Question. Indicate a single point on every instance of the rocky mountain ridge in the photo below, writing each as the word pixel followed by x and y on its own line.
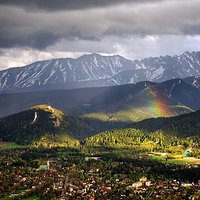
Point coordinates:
pixel 94 70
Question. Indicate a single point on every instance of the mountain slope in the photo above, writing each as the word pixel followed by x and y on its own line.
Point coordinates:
pixel 194 80
pixel 152 98
pixel 46 126
pixel 182 125
pixel 41 123
pixel 172 135
pixel 97 71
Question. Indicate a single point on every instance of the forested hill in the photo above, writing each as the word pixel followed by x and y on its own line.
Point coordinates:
pixel 172 135
pixel 40 122
pixel 182 125
pixel 45 124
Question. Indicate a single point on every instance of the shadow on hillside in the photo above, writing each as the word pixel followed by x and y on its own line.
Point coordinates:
pixel 96 126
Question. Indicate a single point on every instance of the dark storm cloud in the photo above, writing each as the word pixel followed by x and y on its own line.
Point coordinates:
pixel 38 41
pixel 53 5
pixel 71 21
pixel 39 30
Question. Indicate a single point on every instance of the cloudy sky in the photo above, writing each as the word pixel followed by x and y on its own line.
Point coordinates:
pixel 33 30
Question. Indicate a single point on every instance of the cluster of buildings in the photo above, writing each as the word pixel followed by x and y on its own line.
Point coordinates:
pixel 67 177
pixel 89 183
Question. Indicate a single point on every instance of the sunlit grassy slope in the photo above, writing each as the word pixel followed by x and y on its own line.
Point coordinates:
pixel 135 114
pixel 10 145
pixel 47 108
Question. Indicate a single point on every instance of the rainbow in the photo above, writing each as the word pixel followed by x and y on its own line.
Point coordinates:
pixel 158 105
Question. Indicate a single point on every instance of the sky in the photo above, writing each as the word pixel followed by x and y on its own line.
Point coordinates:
pixel 32 30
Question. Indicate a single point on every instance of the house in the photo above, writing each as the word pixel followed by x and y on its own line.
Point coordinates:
pixel 143 179
pixel 45 167
pixel 186 184
pixel 148 183
pixel 137 184
pixel 92 158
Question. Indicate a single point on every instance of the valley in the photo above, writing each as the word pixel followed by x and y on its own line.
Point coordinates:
pixel 52 155
pixel 103 174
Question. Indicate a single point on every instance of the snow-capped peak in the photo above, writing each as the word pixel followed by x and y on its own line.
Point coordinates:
pixel 92 70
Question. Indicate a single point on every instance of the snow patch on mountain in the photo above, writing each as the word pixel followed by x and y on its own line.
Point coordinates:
pixel 170 92
pixel 95 70
pixel 157 73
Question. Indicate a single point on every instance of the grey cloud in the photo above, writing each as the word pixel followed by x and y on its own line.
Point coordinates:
pixel 53 5
pixel 39 41
pixel 192 29
pixel 133 48
pixel 41 30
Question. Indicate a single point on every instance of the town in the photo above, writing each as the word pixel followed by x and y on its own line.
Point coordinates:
pixel 60 173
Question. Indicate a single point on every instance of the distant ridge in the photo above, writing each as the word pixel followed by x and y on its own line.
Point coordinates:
pixel 94 70
pixel 115 100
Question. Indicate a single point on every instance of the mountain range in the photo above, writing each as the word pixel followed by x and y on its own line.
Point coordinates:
pixel 95 70
pixel 65 101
